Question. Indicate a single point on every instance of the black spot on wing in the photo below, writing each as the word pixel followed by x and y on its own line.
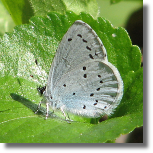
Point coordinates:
pixel 64 85
pixel 91 94
pixel 84 68
pixel 84 40
pixel 69 39
pixel 84 107
pixel 85 75
pixel 79 35
pixel 88 48
pixel 91 56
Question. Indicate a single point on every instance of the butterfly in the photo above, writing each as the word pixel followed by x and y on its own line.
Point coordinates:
pixel 81 80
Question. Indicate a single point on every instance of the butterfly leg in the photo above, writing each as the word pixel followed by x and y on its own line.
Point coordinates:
pixel 47 109
pixel 39 105
pixel 63 113
pixel 67 118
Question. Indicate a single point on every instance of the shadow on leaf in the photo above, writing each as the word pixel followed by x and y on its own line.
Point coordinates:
pixel 27 103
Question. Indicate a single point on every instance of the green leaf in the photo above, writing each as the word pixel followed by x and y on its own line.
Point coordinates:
pixel 132 102
pixel 116 1
pixel 6 22
pixel 87 6
pixel 18 99
pixel 42 7
pixel 22 10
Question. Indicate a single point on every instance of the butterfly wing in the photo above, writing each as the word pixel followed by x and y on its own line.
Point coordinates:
pixel 81 79
pixel 78 45
pixel 91 89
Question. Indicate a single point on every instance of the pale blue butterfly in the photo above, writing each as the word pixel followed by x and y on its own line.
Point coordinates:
pixel 81 80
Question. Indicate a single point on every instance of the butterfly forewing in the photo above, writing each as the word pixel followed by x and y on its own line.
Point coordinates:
pixel 78 45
